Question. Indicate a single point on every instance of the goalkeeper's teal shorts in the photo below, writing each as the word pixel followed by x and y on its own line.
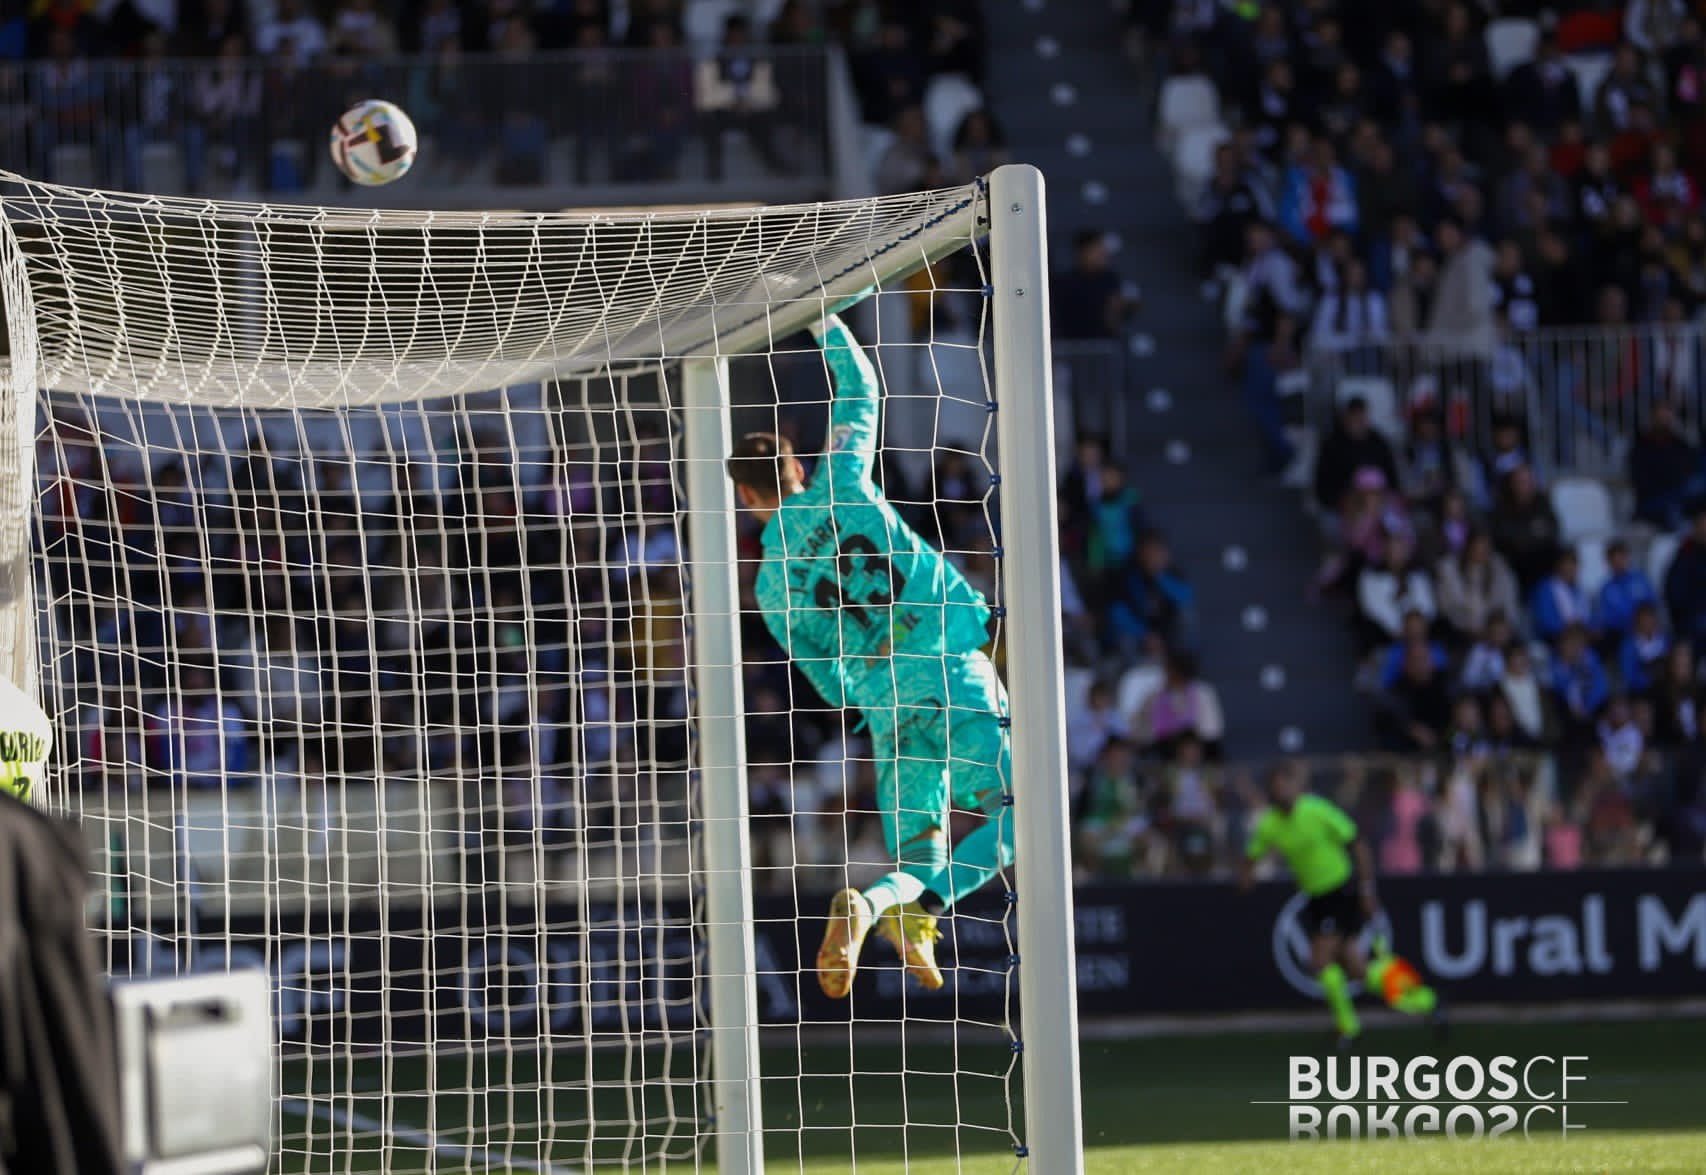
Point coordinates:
pixel 945 747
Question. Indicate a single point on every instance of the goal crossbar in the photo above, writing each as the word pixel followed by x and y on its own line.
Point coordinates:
pixel 228 304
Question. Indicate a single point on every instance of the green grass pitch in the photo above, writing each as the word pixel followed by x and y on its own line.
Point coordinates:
pixel 1156 1104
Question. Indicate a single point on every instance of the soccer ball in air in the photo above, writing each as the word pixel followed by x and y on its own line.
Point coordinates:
pixel 373 143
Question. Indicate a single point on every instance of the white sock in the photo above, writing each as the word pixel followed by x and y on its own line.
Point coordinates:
pixel 891 890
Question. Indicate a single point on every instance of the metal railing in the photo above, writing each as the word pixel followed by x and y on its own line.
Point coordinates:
pixel 1093 390
pixel 544 129
pixel 1580 395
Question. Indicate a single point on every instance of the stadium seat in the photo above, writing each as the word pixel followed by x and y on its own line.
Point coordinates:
pixel 1382 400
pixel 1590 71
pixel 1511 43
pixel 1595 567
pixel 948 100
pixel 1139 684
pixel 1193 160
pixel 1659 557
pixel 1186 102
pixel 1584 509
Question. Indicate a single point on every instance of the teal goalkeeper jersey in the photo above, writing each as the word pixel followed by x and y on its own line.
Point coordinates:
pixel 861 603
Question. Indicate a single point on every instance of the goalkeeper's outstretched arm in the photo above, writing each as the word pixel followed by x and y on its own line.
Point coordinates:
pixel 853 415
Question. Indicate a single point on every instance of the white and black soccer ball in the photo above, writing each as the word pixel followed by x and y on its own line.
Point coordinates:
pixel 374 143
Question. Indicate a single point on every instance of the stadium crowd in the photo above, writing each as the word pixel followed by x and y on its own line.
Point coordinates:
pixel 1363 216
pixel 225 82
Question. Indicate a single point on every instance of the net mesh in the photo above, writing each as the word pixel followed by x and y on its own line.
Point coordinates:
pixel 362 603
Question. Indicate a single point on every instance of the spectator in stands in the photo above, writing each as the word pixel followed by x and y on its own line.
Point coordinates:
pixel 1154 600
pixel 1192 819
pixel 1230 203
pixel 1414 712
pixel 1685 583
pixel 1624 593
pixel 203 26
pixel 1579 684
pixel 1459 76
pixel 1440 477
pixel 294 36
pixel 1675 698
pixel 1664 469
pixel 1081 491
pixel 1269 361
pixel 1389 589
pixel 1319 197
pixel 1484 663
pixel 1092 726
pixel 1559 601
pixel 1417 625
pixel 891 73
pixel 360 29
pixel 1530 702
pixel 1644 650
pixel 661 104
pixel 1624 90
pixel 441 24
pixel 736 91
pixel 1116 524
pixel 1354 444
pixel 1544 93
pixel 1088 301
pixel 1114 830
pixel 1525 527
pixel 1462 315
pixel 1407 826
pixel 227 106
pixel 1415 296
pixel 1185 707
pixel 1351 320
pixel 1474 586
pixel 979 147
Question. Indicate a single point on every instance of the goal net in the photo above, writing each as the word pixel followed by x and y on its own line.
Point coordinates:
pixel 380 572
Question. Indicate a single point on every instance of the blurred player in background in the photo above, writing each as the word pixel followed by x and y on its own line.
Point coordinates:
pixel 1332 866
pixel 879 620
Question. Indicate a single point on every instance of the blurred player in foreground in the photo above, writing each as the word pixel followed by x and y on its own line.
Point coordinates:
pixel 1317 841
pixel 879 620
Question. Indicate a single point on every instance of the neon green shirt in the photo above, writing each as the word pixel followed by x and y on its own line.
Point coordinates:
pixel 1312 839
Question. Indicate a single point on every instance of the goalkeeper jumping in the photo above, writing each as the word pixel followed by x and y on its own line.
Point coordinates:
pixel 1317 840
pixel 878 620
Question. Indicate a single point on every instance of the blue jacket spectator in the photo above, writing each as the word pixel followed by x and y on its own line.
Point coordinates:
pixel 1642 656
pixel 1578 678
pixel 1392 667
pixel 1153 599
pixel 1319 199
pixel 1623 595
pixel 1560 600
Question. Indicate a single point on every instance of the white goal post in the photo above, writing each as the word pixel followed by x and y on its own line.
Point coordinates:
pixel 233 430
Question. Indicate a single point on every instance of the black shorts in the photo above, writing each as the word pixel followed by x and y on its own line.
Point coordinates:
pixel 1336 912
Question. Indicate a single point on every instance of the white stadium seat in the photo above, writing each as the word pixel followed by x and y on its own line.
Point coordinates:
pixel 949 99
pixel 1186 103
pixel 1382 397
pixel 1193 160
pixel 1595 567
pixel 1659 557
pixel 1510 43
pixel 1584 509
pixel 1590 70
